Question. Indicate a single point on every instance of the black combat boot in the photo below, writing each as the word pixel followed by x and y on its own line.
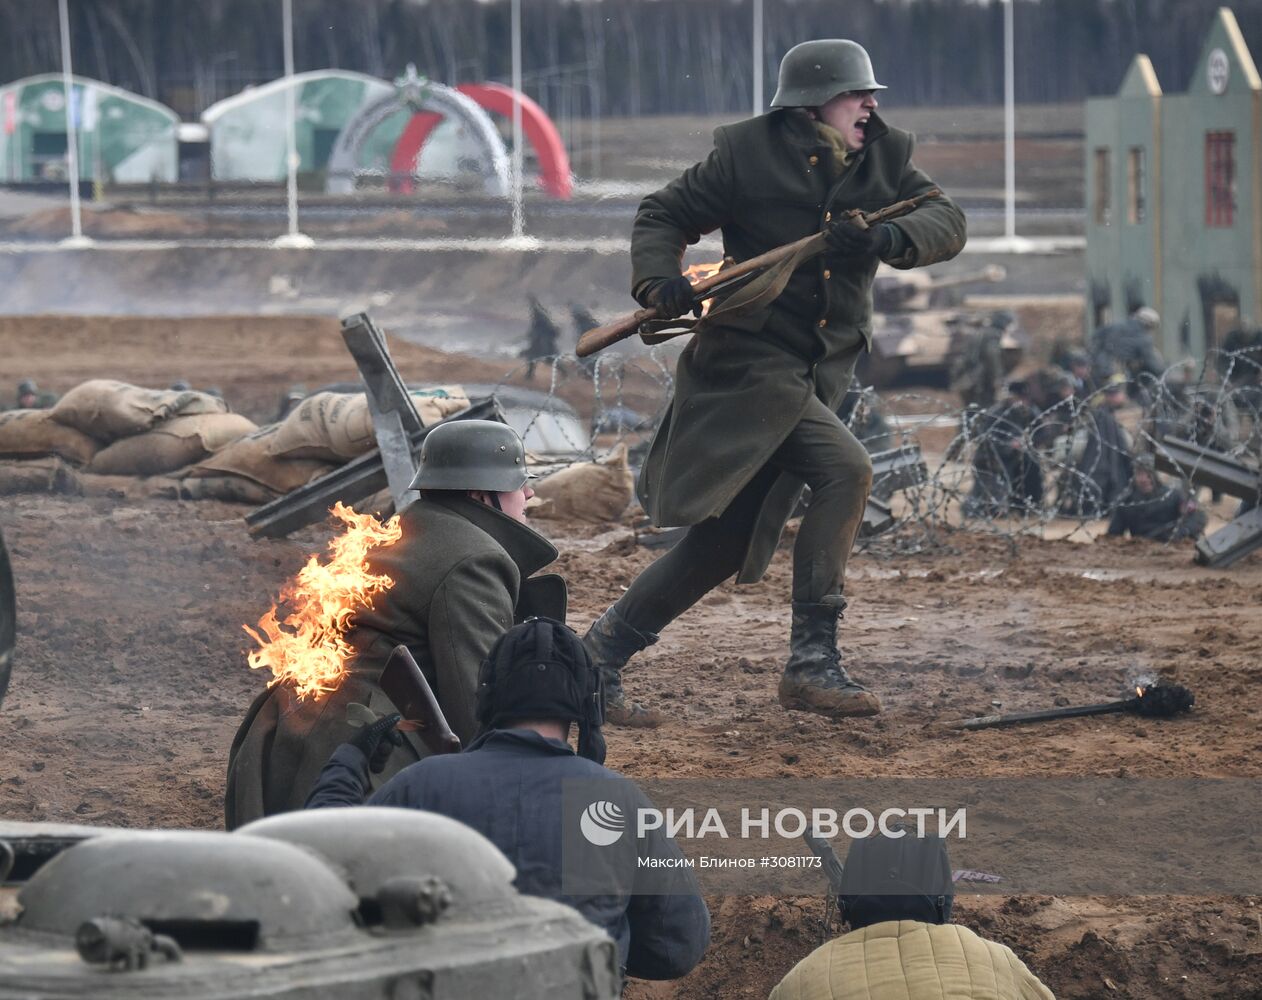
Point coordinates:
pixel 814 679
pixel 611 642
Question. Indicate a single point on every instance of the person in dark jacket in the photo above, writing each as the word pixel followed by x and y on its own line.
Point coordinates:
pixel 542 339
pixel 1006 477
pixel 1151 509
pixel 1102 472
pixel 753 418
pixel 537 682
pixel 462 574
pixel 1128 348
pixel 1078 362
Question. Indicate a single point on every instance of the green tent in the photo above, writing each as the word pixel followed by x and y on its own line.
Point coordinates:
pixel 122 137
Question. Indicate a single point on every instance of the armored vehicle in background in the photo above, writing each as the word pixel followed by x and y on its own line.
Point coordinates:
pixel 352 904
pixel 895 291
pixel 916 334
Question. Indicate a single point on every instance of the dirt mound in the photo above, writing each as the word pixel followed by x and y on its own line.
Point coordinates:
pixel 110 223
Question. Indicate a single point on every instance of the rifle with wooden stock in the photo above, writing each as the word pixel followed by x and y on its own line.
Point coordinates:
pixel 404 684
pixel 727 278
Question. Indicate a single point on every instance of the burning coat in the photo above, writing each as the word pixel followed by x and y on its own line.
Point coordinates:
pixel 744 382
pixel 460 574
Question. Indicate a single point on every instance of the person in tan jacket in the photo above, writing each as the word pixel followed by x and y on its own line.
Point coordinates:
pixel 901 944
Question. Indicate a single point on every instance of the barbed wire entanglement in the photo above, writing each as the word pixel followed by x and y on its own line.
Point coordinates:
pixel 1049 453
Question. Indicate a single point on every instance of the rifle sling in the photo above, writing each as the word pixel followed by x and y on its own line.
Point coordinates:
pixel 758 293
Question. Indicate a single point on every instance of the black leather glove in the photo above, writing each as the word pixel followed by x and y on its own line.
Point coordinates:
pixel 378 740
pixel 672 297
pixel 851 241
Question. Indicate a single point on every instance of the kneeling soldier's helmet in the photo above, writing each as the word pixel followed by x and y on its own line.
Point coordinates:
pixel 472 455
pixel 813 73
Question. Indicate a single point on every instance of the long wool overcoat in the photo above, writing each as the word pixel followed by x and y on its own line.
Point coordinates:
pixel 462 576
pixel 744 381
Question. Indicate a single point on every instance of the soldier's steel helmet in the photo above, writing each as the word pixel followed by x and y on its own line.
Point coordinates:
pixel 1147 316
pixel 472 455
pixel 813 73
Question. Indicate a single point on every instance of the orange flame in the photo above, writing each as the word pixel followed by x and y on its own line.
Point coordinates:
pixel 699 272
pixel 307 647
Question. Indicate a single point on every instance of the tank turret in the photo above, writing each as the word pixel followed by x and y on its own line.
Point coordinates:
pixel 331 903
pixel 913 291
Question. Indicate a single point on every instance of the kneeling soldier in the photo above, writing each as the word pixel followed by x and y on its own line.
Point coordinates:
pixel 460 573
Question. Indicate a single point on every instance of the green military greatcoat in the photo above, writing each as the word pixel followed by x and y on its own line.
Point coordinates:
pixel 743 383
pixel 460 573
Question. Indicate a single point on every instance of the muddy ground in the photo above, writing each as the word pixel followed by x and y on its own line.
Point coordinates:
pixel 130 676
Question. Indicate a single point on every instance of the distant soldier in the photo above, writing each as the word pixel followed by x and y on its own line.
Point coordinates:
pixel 860 411
pixel 1058 405
pixel 1006 476
pixel 31 397
pixel 583 321
pixel 977 370
pixel 1128 348
pixel 543 339
pixel 1078 362
pixel 1103 466
pixel 1151 509
pixel 294 395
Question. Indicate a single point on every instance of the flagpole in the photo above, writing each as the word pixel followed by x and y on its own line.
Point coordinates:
pixel 76 238
pixel 293 240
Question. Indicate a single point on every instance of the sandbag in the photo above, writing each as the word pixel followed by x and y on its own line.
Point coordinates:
pixel 307 432
pixel 45 475
pixel 232 489
pixel 438 403
pixel 33 433
pixel 174 444
pixel 336 427
pixel 129 487
pixel 250 458
pixel 588 491
pixel 109 410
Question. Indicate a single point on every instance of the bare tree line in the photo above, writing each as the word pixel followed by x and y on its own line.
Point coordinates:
pixel 621 57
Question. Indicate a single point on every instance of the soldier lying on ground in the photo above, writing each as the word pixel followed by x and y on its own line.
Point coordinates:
pixel 536 683
pixel 897 897
pixel 32 397
pixel 1151 509
pixel 460 574
pixel 753 416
